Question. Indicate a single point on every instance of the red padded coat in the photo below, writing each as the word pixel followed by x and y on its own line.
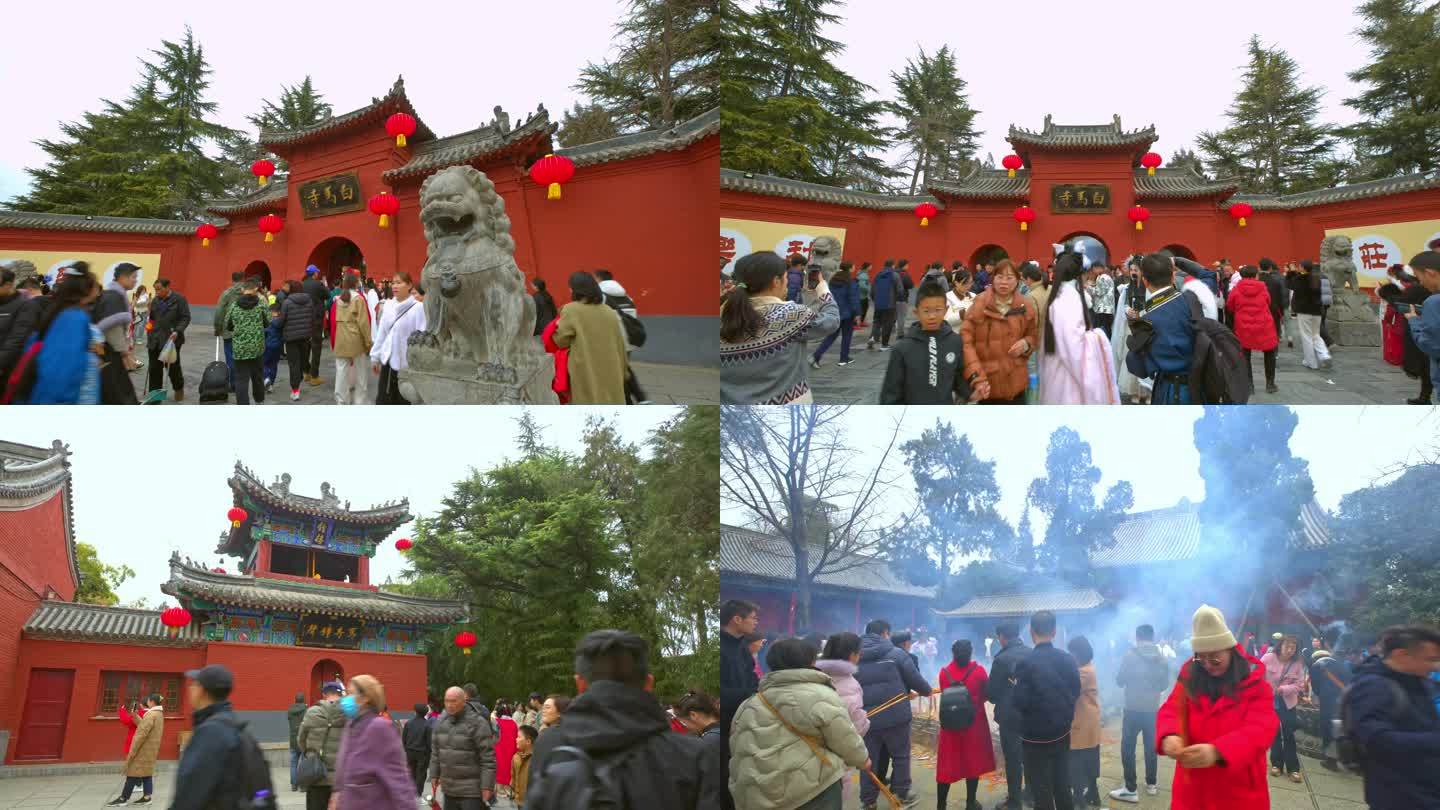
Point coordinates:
pixel 966 754
pixel 1249 302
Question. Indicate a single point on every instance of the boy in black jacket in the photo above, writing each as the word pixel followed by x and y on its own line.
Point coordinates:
pixel 1047 685
pixel 925 368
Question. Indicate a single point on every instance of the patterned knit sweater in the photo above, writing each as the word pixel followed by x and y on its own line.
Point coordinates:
pixel 769 369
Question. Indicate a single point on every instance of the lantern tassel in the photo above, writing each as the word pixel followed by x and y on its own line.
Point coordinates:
pixel 1242 222
pixel 269 237
pixel 1011 171
pixel 205 242
pixel 1152 171
pixel 264 180
pixel 384 220
pixel 554 192
pixel 924 222
pixel 467 650
pixel 1139 226
pixel 1024 226
pixel 400 140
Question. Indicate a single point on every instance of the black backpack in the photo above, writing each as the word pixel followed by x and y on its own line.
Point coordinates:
pixel 1218 372
pixel 257 792
pixel 1348 750
pixel 573 780
pixel 957 713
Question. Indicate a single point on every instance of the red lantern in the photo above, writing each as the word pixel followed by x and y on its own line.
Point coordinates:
pixel 465 640
pixel 237 516
pixel 1138 215
pixel 552 170
pixel 1012 163
pixel 217 570
pixel 1151 161
pixel 175 618
pixel 262 169
pixel 271 225
pixel 925 211
pixel 1240 211
pixel 404 545
pixel 385 205
pixel 400 126
pixel 1024 215
pixel 206 232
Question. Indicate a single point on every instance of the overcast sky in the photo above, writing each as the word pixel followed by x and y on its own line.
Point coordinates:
pixel 1174 65
pixel 146 487
pixel 1152 448
pixel 459 59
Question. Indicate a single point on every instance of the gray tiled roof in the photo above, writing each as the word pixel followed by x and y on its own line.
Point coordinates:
pixel 1179 183
pixel 72 621
pixel 274 196
pixel 29 475
pixel 994 184
pixel 84 222
pixel 1172 534
pixel 187 582
pixel 1082 136
pixel 732 180
pixel 679 136
pixel 743 551
pixel 1354 191
pixel 458 150
pixel 1020 604
pixel 376 111
pixel 392 514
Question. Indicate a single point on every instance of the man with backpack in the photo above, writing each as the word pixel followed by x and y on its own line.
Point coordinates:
pixel 1162 338
pixel 615 749
pixel 462 755
pixel 1328 678
pixel 1145 677
pixel 223 765
pixel 319 738
pixel 998 691
pixel 1389 717
pixel 887 675
pixel 222 330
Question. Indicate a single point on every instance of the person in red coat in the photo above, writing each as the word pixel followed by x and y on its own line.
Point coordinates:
pixel 1249 304
pixel 1218 723
pixel 966 754
pixel 505 744
pixel 130 719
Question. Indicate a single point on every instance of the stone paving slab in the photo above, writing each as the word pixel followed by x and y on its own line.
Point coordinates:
pixel 1358 376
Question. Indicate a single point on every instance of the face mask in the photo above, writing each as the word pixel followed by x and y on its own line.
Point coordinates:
pixel 348 706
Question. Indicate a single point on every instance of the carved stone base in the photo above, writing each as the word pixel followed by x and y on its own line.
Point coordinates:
pixel 1354 334
pixel 450 381
pixel 1352 320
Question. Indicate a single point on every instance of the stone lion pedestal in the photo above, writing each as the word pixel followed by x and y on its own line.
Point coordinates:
pixel 1351 321
pixel 434 380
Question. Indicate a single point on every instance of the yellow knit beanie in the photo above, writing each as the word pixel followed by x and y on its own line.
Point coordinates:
pixel 1210 632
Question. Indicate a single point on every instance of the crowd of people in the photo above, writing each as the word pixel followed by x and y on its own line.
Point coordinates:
pixel 78 342
pixel 829 709
pixel 1156 328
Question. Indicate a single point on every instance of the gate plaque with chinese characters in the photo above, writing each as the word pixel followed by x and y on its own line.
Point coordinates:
pixel 324 631
pixel 1086 199
pixel 339 194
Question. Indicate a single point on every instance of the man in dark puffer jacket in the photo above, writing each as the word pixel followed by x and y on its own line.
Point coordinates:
pixel 998 691
pixel 886 673
pixel 1047 685
pixel 462 758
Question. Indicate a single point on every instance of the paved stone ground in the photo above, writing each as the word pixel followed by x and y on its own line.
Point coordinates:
pixel 1358 377
pixel 91 791
pixel 664 384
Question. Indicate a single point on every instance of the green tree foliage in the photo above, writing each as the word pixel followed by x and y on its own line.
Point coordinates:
pixel 1400 101
pixel 666 68
pixel 939 126
pixel 299 106
pixel 1388 550
pixel 550 546
pixel 1186 159
pixel 854 158
pixel 586 123
pixel 98 580
pixel 1275 140
pixel 1254 487
pixel 1077 524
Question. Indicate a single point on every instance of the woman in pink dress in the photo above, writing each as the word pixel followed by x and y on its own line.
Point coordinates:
pixel 965 754
pixel 1077 366
pixel 505 745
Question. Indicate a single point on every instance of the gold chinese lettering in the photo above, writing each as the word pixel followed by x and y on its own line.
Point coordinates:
pixel 351 632
pixel 327 631
pixel 1080 197
pixel 313 197
pixel 1064 198
pixel 347 192
pixel 312 628
pixel 1099 198
pixel 330 195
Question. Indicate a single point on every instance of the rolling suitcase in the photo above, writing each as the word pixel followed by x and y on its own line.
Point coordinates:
pixel 215 381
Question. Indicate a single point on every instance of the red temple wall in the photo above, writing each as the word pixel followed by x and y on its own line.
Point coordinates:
pixel 267 677
pixel 830 613
pixel 34 548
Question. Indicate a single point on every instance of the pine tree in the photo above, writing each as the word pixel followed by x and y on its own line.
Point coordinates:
pixel 665 72
pixel 1274 142
pixel 194 176
pixel 586 123
pixel 1401 99
pixel 1186 159
pixel 854 157
pixel 1065 496
pixel 939 124
pixel 298 107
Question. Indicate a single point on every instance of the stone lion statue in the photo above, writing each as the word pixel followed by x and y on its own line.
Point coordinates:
pixel 825 254
pixel 476 309
pixel 22 268
pixel 1337 262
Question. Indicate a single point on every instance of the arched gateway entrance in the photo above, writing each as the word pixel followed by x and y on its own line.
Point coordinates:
pixel 260 270
pixel 335 254
pixel 1089 244
pixel 324 670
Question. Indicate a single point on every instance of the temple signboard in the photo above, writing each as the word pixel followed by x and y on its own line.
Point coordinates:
pixel 325 631
pixel 1080 199
pixel 338 194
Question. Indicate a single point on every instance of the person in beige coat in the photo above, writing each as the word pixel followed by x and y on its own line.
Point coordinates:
pixel 1085 729
pixel 592 332
pixel 144 750
pixel 791 742
pixel 350 340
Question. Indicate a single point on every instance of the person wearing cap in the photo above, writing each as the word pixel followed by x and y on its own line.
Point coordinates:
pixel 169 317
pixel 204 778
pixel 1425 325
pixel 1218 722
pixel 1328 678
pixel 320 734
pixel 315 287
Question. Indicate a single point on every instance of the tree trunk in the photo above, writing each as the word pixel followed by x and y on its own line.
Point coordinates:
pixel 702 625
pixel 802 590
pixel 919 161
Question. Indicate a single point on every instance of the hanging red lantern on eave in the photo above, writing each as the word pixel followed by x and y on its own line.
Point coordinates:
pixel 271 225
pixel 262 169
pixel 1151 161
pixel 403 545
pixel 236 516
pixel 174 618
pixel 1024 215
pixel 925 211
pixel 217 570
pixel 400 126
pixel 385 205
pixel 552 171
pixel 1012 163
pixel 465 640
pixel 1138 215
pixel 206 232
pixel 1242 211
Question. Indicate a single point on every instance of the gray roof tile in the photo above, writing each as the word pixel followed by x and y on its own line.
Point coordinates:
pixel 679 136
pixel 273 197
pixel 1354 191
pixel 30 475
pixel 980 184
pixel 392 514
pixel 376 111
pixel 458 150
pixel 1021 604
pixel 743 551
pixel 72 621
pixel 1173 534
pixel 1082 136
pixel 1179 183
pixel 84 222
pixel 732 180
